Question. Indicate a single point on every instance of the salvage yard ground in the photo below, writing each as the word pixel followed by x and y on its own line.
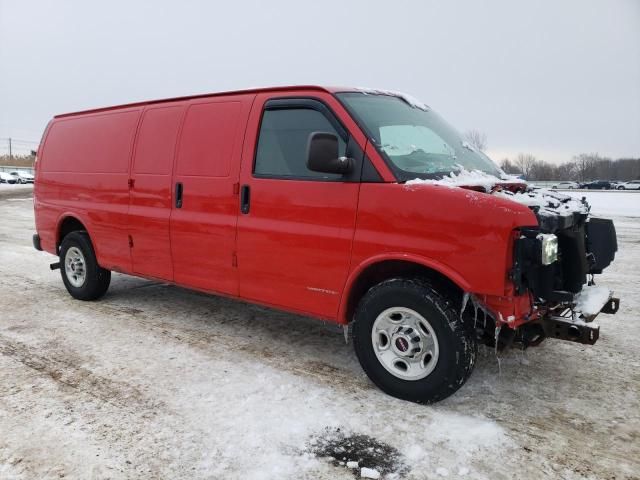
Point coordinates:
pixel 158 382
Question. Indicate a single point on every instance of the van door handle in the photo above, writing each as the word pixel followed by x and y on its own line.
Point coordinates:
pixel 245 199
pixel 179 195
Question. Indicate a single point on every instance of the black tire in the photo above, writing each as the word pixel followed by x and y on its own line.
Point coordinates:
pixel 96 278
pixel 456 340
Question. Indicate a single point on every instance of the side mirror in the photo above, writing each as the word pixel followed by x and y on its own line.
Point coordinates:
pixel 322 154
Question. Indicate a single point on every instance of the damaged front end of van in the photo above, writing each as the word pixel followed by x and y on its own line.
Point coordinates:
pixel 547 280
pixel 554 267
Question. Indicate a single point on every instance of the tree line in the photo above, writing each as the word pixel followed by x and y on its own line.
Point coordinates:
pixel 581 168
pixel 17 160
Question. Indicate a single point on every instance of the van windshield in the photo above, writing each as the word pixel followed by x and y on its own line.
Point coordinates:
pixel 415 140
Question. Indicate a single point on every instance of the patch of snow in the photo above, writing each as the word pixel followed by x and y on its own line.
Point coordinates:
pixel 463 178
pixel 547 201
pixel 369 473
pixel 591 299
pixel 443 472
pixel 618 203
pixel 352 464
pixel 415 452
pixel 468 146
pixel 410 99
pixel 462 471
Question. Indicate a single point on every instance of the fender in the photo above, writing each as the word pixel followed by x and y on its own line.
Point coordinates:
pixel 82 219
pixel 430 263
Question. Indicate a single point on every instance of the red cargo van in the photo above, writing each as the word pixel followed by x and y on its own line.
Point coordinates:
pixel 356 206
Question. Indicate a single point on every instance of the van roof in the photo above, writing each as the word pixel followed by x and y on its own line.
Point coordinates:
pixel 214 94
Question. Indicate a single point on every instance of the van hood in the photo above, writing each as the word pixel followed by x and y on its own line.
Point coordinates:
pixel 554 210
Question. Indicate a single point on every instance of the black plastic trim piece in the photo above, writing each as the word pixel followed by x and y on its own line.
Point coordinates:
pixel 310 103
pixel 179 189
pixel 245 199
pixel 36 242
pixel 369 172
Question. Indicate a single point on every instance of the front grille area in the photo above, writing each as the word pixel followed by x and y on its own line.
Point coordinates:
pixel 559 281
pixel 583 248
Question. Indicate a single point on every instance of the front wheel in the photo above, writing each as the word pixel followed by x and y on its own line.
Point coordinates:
pixel 411 341
pixel 81 274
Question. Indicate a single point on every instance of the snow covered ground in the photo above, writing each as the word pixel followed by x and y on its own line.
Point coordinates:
pixel 159 382
pixel 610 203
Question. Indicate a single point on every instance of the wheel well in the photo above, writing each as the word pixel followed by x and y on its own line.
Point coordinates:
pixel 68 225
pixel 378 272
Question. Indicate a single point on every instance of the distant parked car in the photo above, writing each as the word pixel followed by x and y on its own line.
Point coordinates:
pixel 567 185
pixel 632 185
pixel 597 185
pixel 22 177
pixel 7 178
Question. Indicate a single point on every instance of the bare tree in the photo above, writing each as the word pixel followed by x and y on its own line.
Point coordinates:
pixel 508 167
pixel 566 171
pixel 525 163
pixel 476 139
pixel 586 165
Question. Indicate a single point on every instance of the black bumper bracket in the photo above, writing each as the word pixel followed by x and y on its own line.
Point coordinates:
pixel 611 306
pixel 566 329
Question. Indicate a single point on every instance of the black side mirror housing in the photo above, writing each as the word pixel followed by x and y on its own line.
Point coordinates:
pixel 323 156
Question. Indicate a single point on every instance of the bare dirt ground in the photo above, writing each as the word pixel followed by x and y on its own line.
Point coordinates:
pixel 157 382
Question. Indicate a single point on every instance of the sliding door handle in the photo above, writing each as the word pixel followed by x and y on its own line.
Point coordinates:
pixel 179 195
pixel 245 199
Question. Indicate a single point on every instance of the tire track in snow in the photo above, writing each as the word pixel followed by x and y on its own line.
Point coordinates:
pixel 63 370
pixel 204 339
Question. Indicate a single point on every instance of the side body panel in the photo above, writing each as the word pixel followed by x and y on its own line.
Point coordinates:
pixel 203 228
pixel 83 171
pixel 151 191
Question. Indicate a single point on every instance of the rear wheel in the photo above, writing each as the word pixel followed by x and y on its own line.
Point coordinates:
pixel 81 274
pixel 411 341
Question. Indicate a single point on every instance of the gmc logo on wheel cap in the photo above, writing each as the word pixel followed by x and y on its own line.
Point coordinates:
pixel 402 344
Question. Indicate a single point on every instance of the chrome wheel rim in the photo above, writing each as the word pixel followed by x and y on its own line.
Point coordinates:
pixel 75 267
pixel 405 343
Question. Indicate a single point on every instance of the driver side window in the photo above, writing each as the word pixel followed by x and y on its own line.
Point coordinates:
pixel 282 143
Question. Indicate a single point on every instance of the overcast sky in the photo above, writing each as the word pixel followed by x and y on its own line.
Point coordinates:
pixel 553 78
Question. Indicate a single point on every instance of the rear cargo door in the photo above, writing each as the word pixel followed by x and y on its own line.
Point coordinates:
pixel 150 191
pixel 205 193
